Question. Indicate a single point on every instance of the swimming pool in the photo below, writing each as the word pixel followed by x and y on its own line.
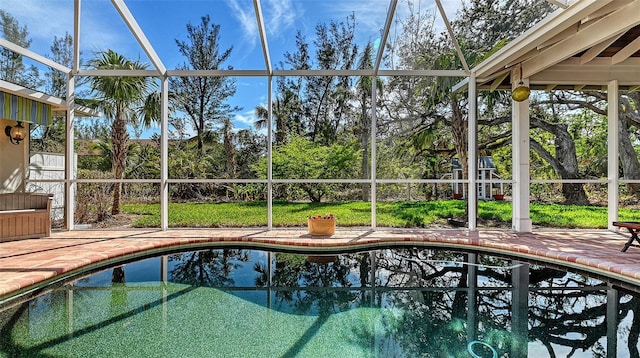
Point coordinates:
pixel 410 302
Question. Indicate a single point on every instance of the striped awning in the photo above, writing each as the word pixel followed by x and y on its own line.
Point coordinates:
pixel 22 109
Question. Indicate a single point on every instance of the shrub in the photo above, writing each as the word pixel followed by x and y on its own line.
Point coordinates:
pixel 93 200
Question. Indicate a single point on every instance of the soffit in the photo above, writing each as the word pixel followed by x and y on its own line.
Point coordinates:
pixel 584 46
pixel 57 104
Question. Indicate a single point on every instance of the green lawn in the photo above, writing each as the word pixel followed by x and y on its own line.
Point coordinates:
pixel 396 214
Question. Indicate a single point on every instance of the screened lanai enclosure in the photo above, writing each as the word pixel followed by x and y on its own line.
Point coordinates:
pixel 260 113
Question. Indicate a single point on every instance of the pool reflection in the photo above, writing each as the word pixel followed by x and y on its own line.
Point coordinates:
pixel 411 302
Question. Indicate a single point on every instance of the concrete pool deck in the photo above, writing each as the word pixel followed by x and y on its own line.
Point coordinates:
pixel 28 265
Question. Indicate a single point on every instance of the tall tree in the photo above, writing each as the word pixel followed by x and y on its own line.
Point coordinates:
pixel 12 68
pixel 52 136
pixel 364 91
pixel 328 96
pixel 565 160
pixel 203 99
pixel 495 23
pixel 62 53
pixel 485 24
pixel 325 100
pixel 121 99
pixel 629 119
pixel 629 122
pixel 229 147
pixel 299 60
pixel 424 108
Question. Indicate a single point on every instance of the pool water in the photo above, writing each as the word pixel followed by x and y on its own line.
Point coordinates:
pixel 384 303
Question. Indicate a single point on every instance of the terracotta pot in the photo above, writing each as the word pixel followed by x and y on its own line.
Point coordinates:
pixel 499 197
pixel 321 227
pixel 457 196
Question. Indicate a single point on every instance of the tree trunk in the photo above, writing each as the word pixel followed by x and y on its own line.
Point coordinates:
pixel 364 140
pixel 200 144
pixel 628 157
pixel 459 134
pixel 315 197
pixel 566 153
pixel 281 123
pixel 230 153
pixel 565 162
pixel 120 143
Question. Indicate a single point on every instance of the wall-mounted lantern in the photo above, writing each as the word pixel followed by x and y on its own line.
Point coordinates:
pixel 16 133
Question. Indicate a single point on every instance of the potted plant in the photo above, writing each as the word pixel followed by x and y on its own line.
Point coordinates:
pixel 322 225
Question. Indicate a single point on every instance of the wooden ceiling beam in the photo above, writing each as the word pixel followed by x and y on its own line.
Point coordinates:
pixel 597 49
pixel 609 26
pixel 626 52
pixel 496 83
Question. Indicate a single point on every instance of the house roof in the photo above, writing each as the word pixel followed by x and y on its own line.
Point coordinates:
pixel 582 46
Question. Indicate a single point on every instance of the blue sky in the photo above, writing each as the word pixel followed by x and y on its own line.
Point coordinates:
pixel 164 21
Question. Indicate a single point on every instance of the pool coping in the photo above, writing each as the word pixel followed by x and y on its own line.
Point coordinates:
pixel 27 266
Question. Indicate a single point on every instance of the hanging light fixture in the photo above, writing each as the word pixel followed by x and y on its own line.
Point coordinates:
pixel 521 92
pixel 16 133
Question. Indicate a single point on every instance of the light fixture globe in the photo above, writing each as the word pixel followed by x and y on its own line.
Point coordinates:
pixel 521 92
pixel 16 133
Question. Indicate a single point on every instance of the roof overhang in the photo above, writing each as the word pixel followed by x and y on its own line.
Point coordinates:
pixel 583 46
pixel 57 104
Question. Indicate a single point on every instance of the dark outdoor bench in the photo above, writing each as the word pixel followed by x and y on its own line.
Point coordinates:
pixel 634 228
pixel 25 216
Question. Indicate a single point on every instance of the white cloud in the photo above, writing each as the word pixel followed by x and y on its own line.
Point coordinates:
pixel 100 26
pixel 245 119
pixel 280 16
pixel 32 14
pixel 246 17
pixel 370 15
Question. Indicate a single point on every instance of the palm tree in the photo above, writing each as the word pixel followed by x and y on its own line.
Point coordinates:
pixel 124 99
pixel 284 113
